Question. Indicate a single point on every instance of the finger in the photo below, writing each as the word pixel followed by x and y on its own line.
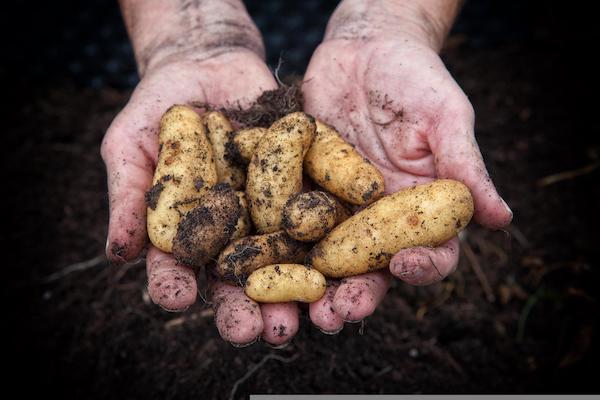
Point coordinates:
pixel 280 322
pixel 238 318
pixel 170 285
pixel 129 168
pixel 457 156
pixel 358 296
pixel 425 265
pixel 322 313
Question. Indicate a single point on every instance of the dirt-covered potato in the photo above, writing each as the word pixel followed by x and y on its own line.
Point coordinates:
pixel 219 130
pixel 184 171
pixel 281 283
pixel 242 144
pixel 247 254
pixel 244 224
pixel 423 215
pixel 336 166
pixel 207 228
pixel 275 172
pixel 310 216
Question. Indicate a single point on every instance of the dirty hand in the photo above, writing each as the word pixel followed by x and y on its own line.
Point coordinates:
pixel 215 63
pixel 388 92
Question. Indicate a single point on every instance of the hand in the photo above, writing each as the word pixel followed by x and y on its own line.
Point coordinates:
pixel 130 151
pixel 393 98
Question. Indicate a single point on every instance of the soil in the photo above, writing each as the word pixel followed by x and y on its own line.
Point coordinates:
pixel 527 321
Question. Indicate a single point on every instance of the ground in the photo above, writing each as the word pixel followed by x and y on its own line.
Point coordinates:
pixel 519 315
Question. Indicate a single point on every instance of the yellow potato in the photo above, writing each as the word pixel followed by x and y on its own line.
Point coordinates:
pixel 184 171
pixel 243 225
pixel 337 167
pixel 203 231
pixel 285 282
pixel 243 143
pixel 247 254
pixel 423 215
pixel 310 216
pixel 219 130
pixel 275 172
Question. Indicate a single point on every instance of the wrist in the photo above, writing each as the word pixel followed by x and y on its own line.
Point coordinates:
pixel 426 22
pixel 166 31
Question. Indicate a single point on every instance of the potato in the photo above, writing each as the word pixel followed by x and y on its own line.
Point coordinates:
pixel 245 255
pixel 218 131
pixel 184 171
pixel 275 172
pixel 243 225
pixel 242 144
pixel 309 216
pixel 281 283
pixel 337 167
pixel 207 228
pixel 423 215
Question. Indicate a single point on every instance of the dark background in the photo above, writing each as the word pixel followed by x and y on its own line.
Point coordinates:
pixel 531 72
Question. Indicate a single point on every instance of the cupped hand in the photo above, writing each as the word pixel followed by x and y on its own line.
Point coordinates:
pixel 394 99
pixel 130 152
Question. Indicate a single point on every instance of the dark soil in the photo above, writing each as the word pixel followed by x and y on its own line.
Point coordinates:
pixel 93 333
pixel 268 107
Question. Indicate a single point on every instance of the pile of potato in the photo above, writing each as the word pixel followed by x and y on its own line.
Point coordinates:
pixel 213 184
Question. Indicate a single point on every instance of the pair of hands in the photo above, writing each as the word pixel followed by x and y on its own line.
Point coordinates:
pixel 391 97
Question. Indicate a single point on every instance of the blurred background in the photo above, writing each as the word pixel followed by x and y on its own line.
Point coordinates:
pixel 519 315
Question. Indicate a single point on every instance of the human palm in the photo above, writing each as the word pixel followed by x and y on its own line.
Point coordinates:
pixel 130 152
pixel 395 101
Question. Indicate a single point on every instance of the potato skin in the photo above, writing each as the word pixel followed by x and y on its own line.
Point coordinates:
pixel 281 283
pixel 242 144
pixel 206 229
pixel 309 216
pixel 275 172
pixel 243 224
pixel 184 171
pixel 423 215
pixel 219 130
pixel 336 166
pixel 241 257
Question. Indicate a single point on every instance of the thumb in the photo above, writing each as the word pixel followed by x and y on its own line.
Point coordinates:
pixel 457 156
pixel 129 167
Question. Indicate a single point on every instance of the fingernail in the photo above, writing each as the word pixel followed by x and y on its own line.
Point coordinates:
pixel 278 346
pixel 331 332
pixel 241 345
pixel 173 310
pixel 508 210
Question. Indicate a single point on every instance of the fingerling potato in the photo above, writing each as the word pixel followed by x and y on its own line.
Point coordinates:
pixel 281 283
pixel 204 230
pixel 275 172
pixel 309 216
pixel 184 171
pixel 336 166
pixel 247 254
pixel 242 144
pixel 423 215
pixel 219 130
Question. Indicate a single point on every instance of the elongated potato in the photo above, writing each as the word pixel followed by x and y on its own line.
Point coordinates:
pixel 281 283
pixel 423 215
pixel 242 145
pixel 184 171
pixel 247 254
pixel 206 229
pixel 309 216
pixel 336 166
pixel 218 130
pixel 243 225
pixel 275 172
